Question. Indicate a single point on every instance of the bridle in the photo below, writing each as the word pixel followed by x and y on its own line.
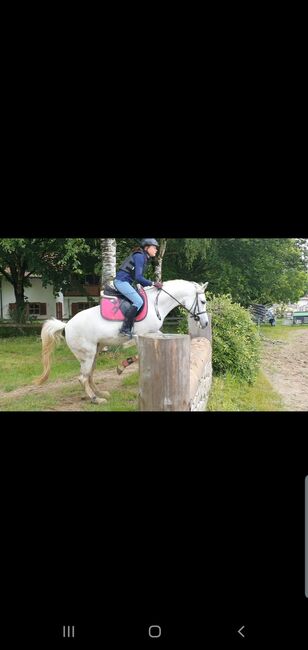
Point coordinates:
pixel 195 314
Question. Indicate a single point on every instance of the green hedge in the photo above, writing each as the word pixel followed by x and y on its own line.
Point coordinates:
pixel 236 339
pixel 7 331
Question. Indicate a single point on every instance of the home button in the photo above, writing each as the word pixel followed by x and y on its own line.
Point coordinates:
pixel 154 631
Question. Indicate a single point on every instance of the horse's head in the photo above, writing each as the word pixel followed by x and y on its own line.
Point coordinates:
pixel 198 308
pixel 180 292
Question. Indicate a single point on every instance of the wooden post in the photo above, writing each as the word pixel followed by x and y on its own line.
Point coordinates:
pixel 164 367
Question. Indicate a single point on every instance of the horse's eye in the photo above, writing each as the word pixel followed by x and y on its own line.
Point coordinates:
pixel 203 302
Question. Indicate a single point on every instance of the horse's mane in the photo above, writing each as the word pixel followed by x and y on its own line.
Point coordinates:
pixel 196 284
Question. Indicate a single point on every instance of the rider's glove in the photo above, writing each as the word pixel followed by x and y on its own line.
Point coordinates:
pixel 158 285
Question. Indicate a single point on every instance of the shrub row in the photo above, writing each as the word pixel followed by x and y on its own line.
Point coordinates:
pixel 236 339
pixel 7 331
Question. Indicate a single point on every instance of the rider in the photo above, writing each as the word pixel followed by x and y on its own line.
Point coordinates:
pixel 131 271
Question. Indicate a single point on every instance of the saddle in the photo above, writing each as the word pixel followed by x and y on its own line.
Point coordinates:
pixel 114 306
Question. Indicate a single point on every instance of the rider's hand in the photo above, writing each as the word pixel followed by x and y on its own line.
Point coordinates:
pixel 158 285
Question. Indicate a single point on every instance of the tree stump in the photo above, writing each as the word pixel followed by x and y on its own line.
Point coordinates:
pixel 164 365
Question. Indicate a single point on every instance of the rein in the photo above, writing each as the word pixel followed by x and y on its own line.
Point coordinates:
pixel 194 315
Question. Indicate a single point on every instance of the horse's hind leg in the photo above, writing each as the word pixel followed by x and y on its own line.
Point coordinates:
pixel 104 394
pixel 86 365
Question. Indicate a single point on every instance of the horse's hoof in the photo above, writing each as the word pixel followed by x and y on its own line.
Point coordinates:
pixel 98 400
pixel 120 370
pixel 102 393
pixel 105 394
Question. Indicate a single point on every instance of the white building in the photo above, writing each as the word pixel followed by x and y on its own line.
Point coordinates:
pixel 301 305
pixel 41 302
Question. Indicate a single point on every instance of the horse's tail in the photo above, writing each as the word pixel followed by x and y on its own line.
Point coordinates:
pixel 51 336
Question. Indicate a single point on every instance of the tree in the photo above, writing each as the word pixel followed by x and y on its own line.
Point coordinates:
pixel 250 270
pixel 51 259
pixel 303 246
pixel 257 270
pixel 186 258
pixel 159 260
pixel 109 259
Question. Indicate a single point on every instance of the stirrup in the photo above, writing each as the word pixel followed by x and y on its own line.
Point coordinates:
pixel 127 333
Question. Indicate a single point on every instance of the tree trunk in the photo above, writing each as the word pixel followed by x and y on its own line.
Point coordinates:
pixel 109 260
pixel 17 278
pixel 20 314
pixel 160 257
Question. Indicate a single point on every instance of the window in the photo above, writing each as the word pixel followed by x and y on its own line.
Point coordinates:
pixel 34 309
pixel 92 279
pixel 37 308
pixel 80 306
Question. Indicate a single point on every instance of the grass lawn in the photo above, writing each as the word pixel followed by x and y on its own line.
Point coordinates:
pixel 228 394
pixel 122 399
pixel 280 332
pixel 20 364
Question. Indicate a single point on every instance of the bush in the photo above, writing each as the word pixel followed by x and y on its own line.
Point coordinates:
pixel 18 315
pixel 7 331
pixel 236 339
pixel 182 327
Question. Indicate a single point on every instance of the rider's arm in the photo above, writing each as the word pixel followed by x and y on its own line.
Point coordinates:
pixel 139 264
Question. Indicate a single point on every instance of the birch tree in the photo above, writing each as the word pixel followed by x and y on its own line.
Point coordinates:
pixel 109 260
pixel 159 260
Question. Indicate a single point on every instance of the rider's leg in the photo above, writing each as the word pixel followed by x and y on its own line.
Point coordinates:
pixel 129 292
pixel 127 326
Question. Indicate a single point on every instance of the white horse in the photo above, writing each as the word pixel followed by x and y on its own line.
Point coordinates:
pixel 87 332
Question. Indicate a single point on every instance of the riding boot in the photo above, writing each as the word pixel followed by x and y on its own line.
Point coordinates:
pixel 126 329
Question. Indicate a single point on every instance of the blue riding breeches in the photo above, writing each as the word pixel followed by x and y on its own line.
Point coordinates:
pixel 129 292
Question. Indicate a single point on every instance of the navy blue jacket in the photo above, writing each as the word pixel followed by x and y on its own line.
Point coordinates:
pixel 133 268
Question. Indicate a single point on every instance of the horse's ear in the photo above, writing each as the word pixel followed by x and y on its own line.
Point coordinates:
pixel 205 286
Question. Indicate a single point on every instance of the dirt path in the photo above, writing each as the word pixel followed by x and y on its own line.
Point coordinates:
pixel 104 379
pixel 285 364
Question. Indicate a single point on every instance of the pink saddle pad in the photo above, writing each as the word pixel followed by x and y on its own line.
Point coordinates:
pixel 111 309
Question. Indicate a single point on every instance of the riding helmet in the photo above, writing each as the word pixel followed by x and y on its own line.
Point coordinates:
pixel 149 242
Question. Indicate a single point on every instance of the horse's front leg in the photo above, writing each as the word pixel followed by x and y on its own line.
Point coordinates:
pixel 127 362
